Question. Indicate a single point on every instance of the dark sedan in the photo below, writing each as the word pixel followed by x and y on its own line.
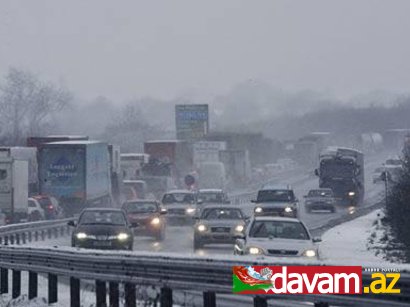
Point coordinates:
pixel 147 218
pixel 102 229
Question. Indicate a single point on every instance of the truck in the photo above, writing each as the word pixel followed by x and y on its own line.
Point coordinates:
pixel 115 172
pixel 77 173
pixel 178 154
pixel 28 154
pixel 342 170
pixel 212 175
pixel 36 141
pixel 132 164
pixel 237 166
pixel 14 189
pixel 207 151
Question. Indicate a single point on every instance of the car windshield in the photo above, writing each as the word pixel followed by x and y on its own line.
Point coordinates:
pixel 320 193
pixel 275 195
pixel 103 218
pixel 222 214
pixel 342 168
pixel 139 207
pixel 211 197
pixel 278 229
pixel 178 198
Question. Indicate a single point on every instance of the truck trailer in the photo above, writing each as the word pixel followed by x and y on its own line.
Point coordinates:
pixel 14 189
pixel 77 173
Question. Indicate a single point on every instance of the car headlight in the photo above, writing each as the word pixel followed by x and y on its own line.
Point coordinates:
pixel 190 210
pixel 201 228
pixel 258 210
pixel 239 228
pixel 255 250
pixel 155 221
pixel 123 236
pixel 288 209
pixel 309 253
pixel 81 235
pixel 352 193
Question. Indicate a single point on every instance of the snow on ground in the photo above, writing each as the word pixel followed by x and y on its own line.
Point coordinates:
pixel 348 242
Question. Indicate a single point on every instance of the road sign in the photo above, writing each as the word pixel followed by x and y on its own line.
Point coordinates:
pixel 192 121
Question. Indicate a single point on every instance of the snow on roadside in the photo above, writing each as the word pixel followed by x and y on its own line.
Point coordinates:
pixel 348 243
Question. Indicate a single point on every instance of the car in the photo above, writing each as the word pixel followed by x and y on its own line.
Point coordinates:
pixel 277 200
pixel 377 175
pixel 50 206
pixel 277 237
pixel 320 199
pixel 393 172
pixel 210 196
pixel 102 228
pixel 218 224
pixel 147 218
pixel 34 210
pixel 180 205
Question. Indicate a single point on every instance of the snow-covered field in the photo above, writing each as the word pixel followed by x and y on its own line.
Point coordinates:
pixel 349 242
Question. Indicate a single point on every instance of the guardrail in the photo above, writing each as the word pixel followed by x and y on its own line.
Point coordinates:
pixel 33 231
pixel 168 271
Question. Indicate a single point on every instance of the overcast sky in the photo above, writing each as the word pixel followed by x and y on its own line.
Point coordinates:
pixel 129 48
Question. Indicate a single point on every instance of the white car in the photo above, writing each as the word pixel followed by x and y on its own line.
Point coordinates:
pixel 277 237
pixel 35 212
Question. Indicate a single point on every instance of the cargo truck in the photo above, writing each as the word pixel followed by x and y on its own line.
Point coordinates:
pixel 14 189
pixel 237 166
pixel 178 154
pixel 77 173
pixel 28 154
pixel 342 170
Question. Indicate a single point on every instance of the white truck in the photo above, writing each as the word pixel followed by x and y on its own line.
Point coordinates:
pixel 207 151
pixel 14 189
pixel 212 175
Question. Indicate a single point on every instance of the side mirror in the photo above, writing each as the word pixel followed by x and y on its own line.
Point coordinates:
pixel 253 200
pixel 199 201
pixel 316 172
pixel 316 240
pixel 163 211
pixel 71 223
pixel 239 237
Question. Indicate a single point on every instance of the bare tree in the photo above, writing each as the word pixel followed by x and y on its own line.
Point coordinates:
pixel 26 103
pixel 129 129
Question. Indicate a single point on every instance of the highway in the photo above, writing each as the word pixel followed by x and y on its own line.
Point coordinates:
pixel 179 238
